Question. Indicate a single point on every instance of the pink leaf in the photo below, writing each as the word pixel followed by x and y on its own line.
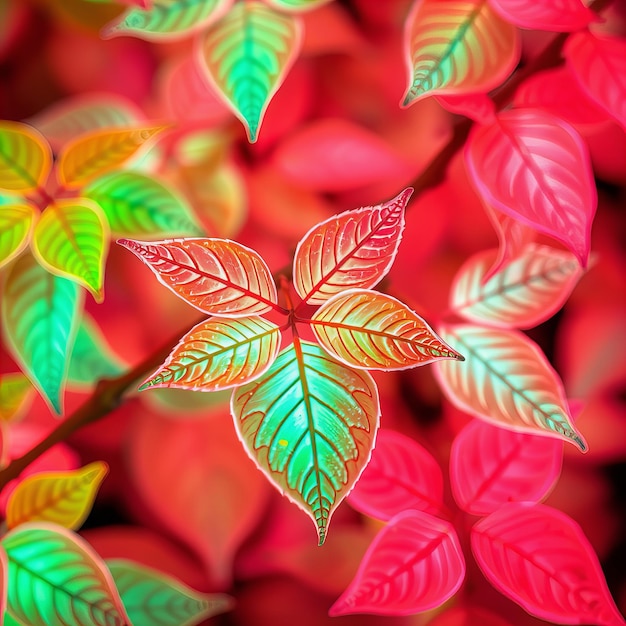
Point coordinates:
pixel 477 106
pixel 599 64
pixel 401 475
pixel 414 564
pixel 491 466
pixel 535 167
pixel 559 15
pixel 540 558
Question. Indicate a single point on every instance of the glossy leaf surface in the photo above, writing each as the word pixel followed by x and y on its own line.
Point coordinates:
pixel 309 423
pixel 55 577
pixel 444 41
pixel 535 167
pixel 216 276
pixel 354 249
pixel 219 353
pixel 137 205
pixel 524 293
pixel 15 226
pixel 153 598
pixel 491 466
pixel 507 380
pixel 401 475
pixel 540 558
pixel 71 239
pixel 40 315
pixel 415 563
pixel 296 5
pixel 15 393
pixel 559 15
pixel 371 330
pixel 63 498
pixel 246 56
pixel 25 157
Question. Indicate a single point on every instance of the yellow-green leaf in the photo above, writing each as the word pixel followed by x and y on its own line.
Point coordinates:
pixel 296 5
pixel 16 222
pixel 16 392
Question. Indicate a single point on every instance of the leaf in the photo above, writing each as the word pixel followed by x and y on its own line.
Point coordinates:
pixel 39 316
pixel 71 239
pixel 55 577
pixel 167 20
pixel 100 151
pixel 217 276
pixel 246 57
pixel 401 475
pixel 63 498
pixel 25 157
pixel 506 380
pixel 152 598
pixel 561 16
pixel 456 48
pixel 309 423
pixel 137 205
pixel 296 5
pixel 540 558
pixel 371 330
pixel 599 64
pixel 16 222
pixel 535 167
pixel 414 564
pixel 218 354
pixel 525 292
pixel 350 250
pixel 491 466
pixel 4 583
pixel 15 396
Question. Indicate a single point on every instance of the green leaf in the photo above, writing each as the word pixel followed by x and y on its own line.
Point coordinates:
pixel 247 55
pixel 40 316
pixel 152 598
pixel 296 5
pixel 15 395
pixel 137 206
pixel 15 226
pixel 56 579
pixel 309 423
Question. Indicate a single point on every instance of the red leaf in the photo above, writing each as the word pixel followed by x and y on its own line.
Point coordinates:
pixel 491 466
pixel 401 475
pixel 414 564
pixel 477 106
pixel 559 15
pixel 535 167
pixel 540 558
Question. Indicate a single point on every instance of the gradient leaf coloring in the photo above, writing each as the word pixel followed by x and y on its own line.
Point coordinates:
pixel 414 564
pixel 553 15
pixel 296 5
pixel 15 393
pixel 309 423
pixel 456 47
pixel 507 380
pixel 247 55
pixel 16 221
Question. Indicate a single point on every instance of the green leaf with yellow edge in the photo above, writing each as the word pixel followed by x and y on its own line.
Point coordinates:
pixel 136 205
pixel 71 239
pixel 247 55
pixel 57 579
pixel 16 392
pixel 63 498
pixel 39 317
pixel 25 157
pixel 16 222
pixel 309 423
pixel 152 598
pixel 296 5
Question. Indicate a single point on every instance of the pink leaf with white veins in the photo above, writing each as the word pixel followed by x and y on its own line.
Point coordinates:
pixel 553 15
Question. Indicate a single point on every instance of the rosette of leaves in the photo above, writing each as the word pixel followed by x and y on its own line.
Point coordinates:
pixel 308 413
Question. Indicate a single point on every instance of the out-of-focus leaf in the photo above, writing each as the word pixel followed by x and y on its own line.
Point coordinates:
pixel 462 615
pixel 477 106
pixel 354 249
pixel 561 16
pixel 507 380
pixel 246 56
pixel 524 293
pixel 137 205
pixel 491 466
pixel 371 330
pixel 16 222
pixel 63 498
pixel 414 564
pixel 309 423
pixel 55 577
pixel 40 316
pixel 458 47
pixel 15 395
pixel 4 583
pixel 540 558
pixel 401 475
pixel 25 157
pixel 71 239
pixel 152 598
pixel 535 167
pixel 216 276
pixel 218 354
pixel 296 5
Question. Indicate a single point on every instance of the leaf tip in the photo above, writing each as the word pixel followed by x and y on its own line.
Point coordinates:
pixel 579 442
pixel 342 606
pixel 407 100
